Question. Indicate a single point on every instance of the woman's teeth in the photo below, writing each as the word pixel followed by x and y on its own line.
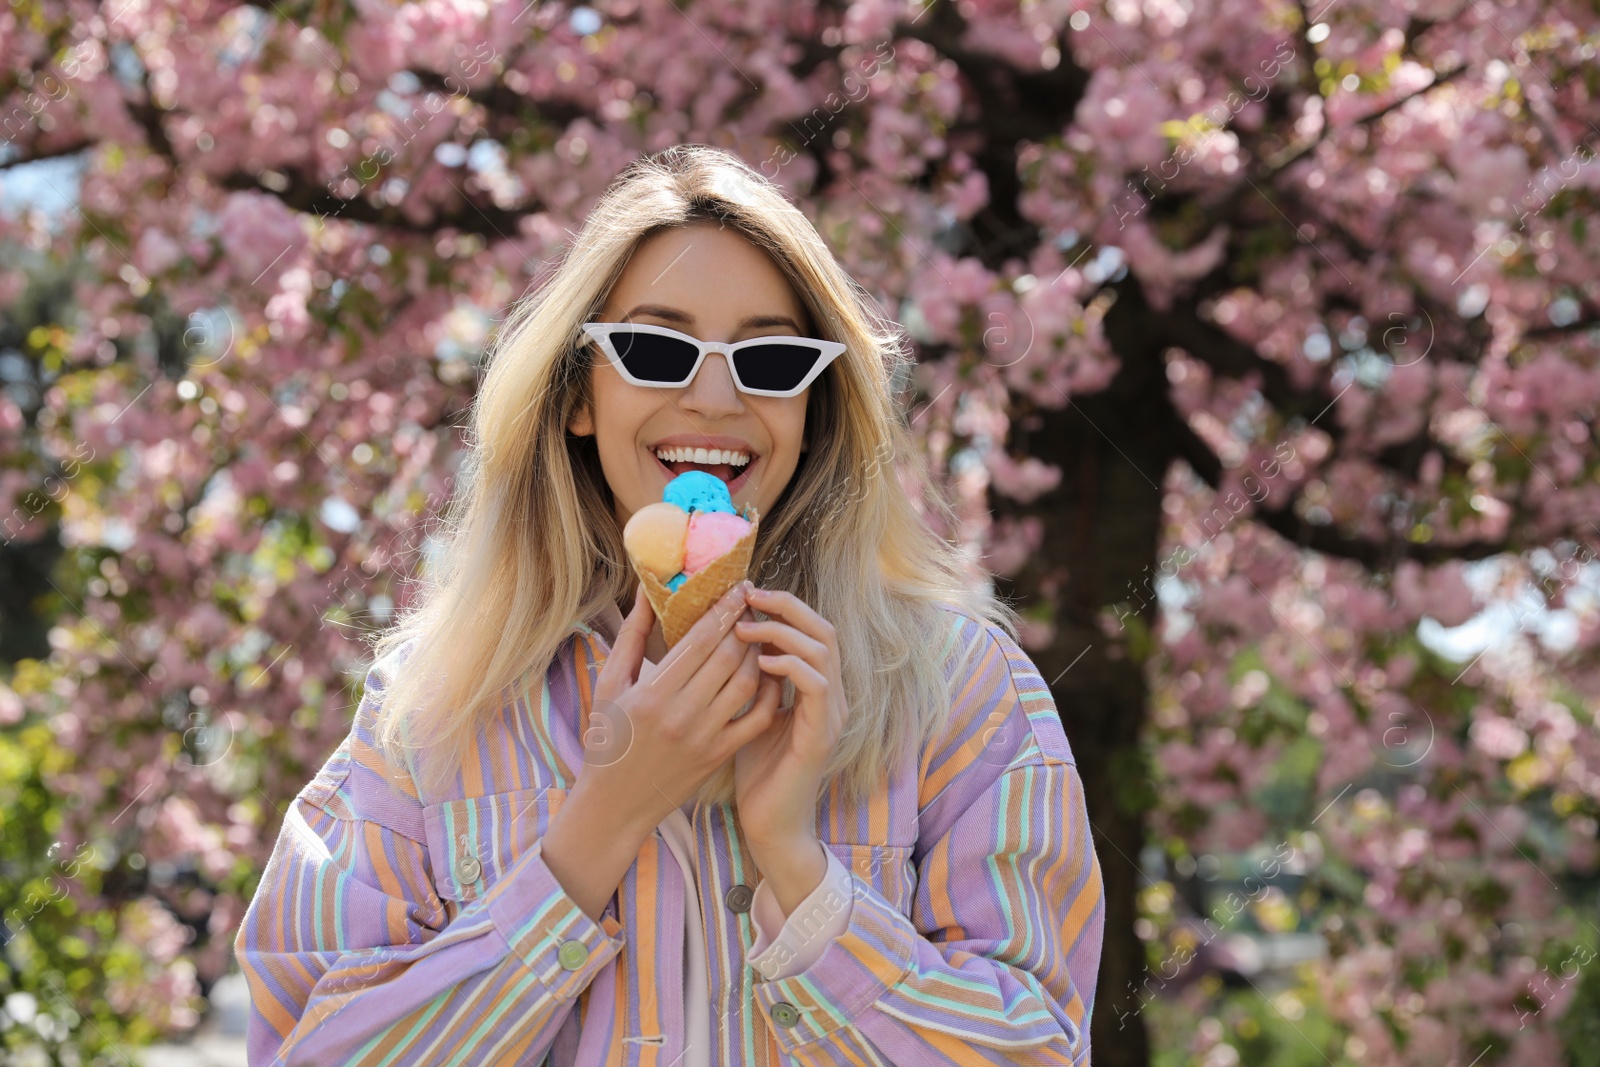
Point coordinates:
pixel 725 463
pixel 707 456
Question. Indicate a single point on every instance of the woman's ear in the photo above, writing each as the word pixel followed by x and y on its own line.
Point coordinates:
pixel 581 424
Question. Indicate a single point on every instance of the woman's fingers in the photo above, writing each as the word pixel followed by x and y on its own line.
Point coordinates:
pixel 627 652
pixel 642 607
pixel 822 714
pixel 806 678
pixel 796 612
pixel 758 719
pixel 787 639
pixel 769 691
pixel 703 638
pixel 739 687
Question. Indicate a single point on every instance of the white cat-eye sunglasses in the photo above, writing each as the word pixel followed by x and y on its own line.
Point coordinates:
pixel 662 358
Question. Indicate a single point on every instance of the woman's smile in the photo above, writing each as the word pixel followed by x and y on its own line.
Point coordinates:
pixel 729 458
pixel 733 475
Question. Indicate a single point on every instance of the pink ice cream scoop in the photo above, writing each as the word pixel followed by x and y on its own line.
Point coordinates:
pixel 711 534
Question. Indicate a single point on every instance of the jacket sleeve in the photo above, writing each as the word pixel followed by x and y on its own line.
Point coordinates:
pixel 787 946
pixel 351 956
pixel 998 959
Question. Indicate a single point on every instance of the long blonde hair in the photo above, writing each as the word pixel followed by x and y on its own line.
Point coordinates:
pixel 532 545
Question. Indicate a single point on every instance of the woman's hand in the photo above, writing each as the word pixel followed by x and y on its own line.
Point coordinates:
pixel 778 773
pixel 658 731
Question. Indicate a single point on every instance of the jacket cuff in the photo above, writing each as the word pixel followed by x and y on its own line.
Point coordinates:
pixel 785 947
pixel 855 968
pixel 562 947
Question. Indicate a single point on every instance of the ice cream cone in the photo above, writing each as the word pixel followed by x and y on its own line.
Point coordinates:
pixel 678 611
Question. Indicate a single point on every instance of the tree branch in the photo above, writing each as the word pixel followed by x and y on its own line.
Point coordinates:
pixel 71 148
pixel 1293 154
pixel 1013 107
pixel 499 99
pixel 148 114
pixel 1588 319
pixel 1195 452
pixel 1374 555
pixel 1328 540
pixel 1227 355
pixel 302 194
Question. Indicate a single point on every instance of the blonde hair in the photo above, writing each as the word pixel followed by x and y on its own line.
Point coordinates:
pixel 532 545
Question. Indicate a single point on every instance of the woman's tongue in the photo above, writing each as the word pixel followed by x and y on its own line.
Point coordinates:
pixel 726 471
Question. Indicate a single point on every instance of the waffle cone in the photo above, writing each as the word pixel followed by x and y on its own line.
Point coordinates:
pixel 681 610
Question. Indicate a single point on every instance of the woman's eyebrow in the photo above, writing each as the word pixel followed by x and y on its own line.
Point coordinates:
pixel 661 311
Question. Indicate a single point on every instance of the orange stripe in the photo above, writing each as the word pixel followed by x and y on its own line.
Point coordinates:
pixel 881 966
pixel 646 940
pixel 1088 897
pixel 829 1046
pixel 626 980
pixel 940 903
pixel 307 978
pixel 271 1009
pixel 878 817
pixel 472 778
pixel 996 711
pixel 388 879
pixel 584 654
pixel 1053 875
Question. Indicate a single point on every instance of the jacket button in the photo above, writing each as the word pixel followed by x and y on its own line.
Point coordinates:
pixel 572 954
pixel 739 898
pixel 785 1014
pixel 468 869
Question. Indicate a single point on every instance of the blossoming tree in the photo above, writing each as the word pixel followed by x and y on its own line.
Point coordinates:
pixel 1257 349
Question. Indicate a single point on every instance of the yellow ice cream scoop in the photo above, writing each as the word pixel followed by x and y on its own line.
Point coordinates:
pixel 656 536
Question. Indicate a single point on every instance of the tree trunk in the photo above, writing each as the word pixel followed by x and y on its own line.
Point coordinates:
pixel 1102 528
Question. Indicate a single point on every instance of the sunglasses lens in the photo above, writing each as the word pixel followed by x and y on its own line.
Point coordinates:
pixel 651 357
pixel 776 368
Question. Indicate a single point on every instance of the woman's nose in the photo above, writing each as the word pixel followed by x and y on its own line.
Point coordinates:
pixel 712 393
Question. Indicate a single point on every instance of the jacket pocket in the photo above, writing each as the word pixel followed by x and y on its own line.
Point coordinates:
pixel 474 841
pixel 886 868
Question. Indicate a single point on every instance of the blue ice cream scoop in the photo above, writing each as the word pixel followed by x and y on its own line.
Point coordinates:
pixel 698 491
pixel 676 581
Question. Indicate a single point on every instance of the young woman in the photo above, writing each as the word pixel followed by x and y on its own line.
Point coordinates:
pixel 838 823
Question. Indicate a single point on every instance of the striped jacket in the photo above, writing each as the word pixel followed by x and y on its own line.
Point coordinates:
pixel 395 928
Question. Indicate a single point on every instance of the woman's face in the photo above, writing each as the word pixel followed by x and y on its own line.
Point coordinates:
pixel 713 284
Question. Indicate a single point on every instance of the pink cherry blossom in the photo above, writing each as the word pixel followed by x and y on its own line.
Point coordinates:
pixel 1286 333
